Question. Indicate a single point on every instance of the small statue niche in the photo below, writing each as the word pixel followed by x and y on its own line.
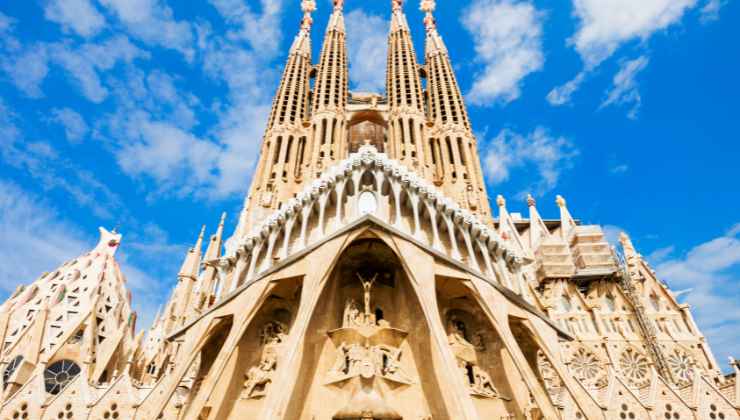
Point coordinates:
pixel 465 350
pixel 258 378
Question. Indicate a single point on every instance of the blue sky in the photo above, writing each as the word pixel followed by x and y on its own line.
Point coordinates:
pixel 147 115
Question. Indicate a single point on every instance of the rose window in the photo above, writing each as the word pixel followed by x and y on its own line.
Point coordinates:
pixel 586 367
pixel 635 367
pixel 59 374
pixel 681 365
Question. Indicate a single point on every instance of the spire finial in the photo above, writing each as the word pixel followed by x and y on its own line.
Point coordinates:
pixel 531 201
pixel 500 200
pixel 428 6
pixel 308 7
pixel 397 4
pixel 338 5
pixel 560 201
pixel 223 219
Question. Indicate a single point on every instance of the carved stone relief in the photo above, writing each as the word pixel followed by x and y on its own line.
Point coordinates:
pixel 367 346
pixel 478 380
pixel 258 378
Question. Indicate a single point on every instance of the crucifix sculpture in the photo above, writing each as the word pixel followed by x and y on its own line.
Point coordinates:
pixel 366 286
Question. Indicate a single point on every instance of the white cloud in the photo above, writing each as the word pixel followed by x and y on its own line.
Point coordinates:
pixel 153 22
pixel 39 160
pixel 660 254
pixel 710 270
pixel 5 22
pixel 27 69
pixel 86 63
pixel 547 155
pixel 619 168
pixel 606 24
pixel 710 11
pixel 37 240
pixel 174 158
pixel 734 231
pixel 624 91
pixel 367 42
pixel 75 127
pixel 561 95
pixel 262 30
pixel 508 42
pixel 78 15
pixel 28 66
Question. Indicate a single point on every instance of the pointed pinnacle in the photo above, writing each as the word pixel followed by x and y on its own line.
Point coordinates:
pixel 531 201
pixel 500 200
pixel 560 201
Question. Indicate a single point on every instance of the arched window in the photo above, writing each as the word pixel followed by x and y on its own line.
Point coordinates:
pixel 59 374
pixel 10 369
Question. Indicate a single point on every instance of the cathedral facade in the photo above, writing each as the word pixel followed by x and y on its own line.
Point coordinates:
pixel 368 278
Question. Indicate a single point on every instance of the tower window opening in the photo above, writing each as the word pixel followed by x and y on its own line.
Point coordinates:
pixel 323 131
pixel 434 152
pixel 461 150
pixel 288 149
pixel 449 151
pixel 301 150
pixel 333 129
pixel 411 132
pixel 276 155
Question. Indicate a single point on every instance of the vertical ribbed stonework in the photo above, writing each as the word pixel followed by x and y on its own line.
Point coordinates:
pixel 330 95
pixel 403 86
pixel 454 153
pixel 284 155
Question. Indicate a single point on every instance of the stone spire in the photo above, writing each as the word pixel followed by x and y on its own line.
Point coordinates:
pixel 284 145
pixel 186 280
pixel 207 282
pixel 450 140
pixel 191 263
pixel 405 98
pixel 80 310
pixel 567 224
pixel 330 94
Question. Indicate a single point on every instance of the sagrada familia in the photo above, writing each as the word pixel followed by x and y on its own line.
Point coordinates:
pixel 368 279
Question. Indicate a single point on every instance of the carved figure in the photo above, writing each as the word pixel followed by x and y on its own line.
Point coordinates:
pixel 341 365
pixel 483 383
pixel 273 333
pixel 356 355
pixel 457 332
pixel 352 316
pixel 388 362
pixel 260 376
pixel 367 285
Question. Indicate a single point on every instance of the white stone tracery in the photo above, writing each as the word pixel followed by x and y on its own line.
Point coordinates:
pixel 402 199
